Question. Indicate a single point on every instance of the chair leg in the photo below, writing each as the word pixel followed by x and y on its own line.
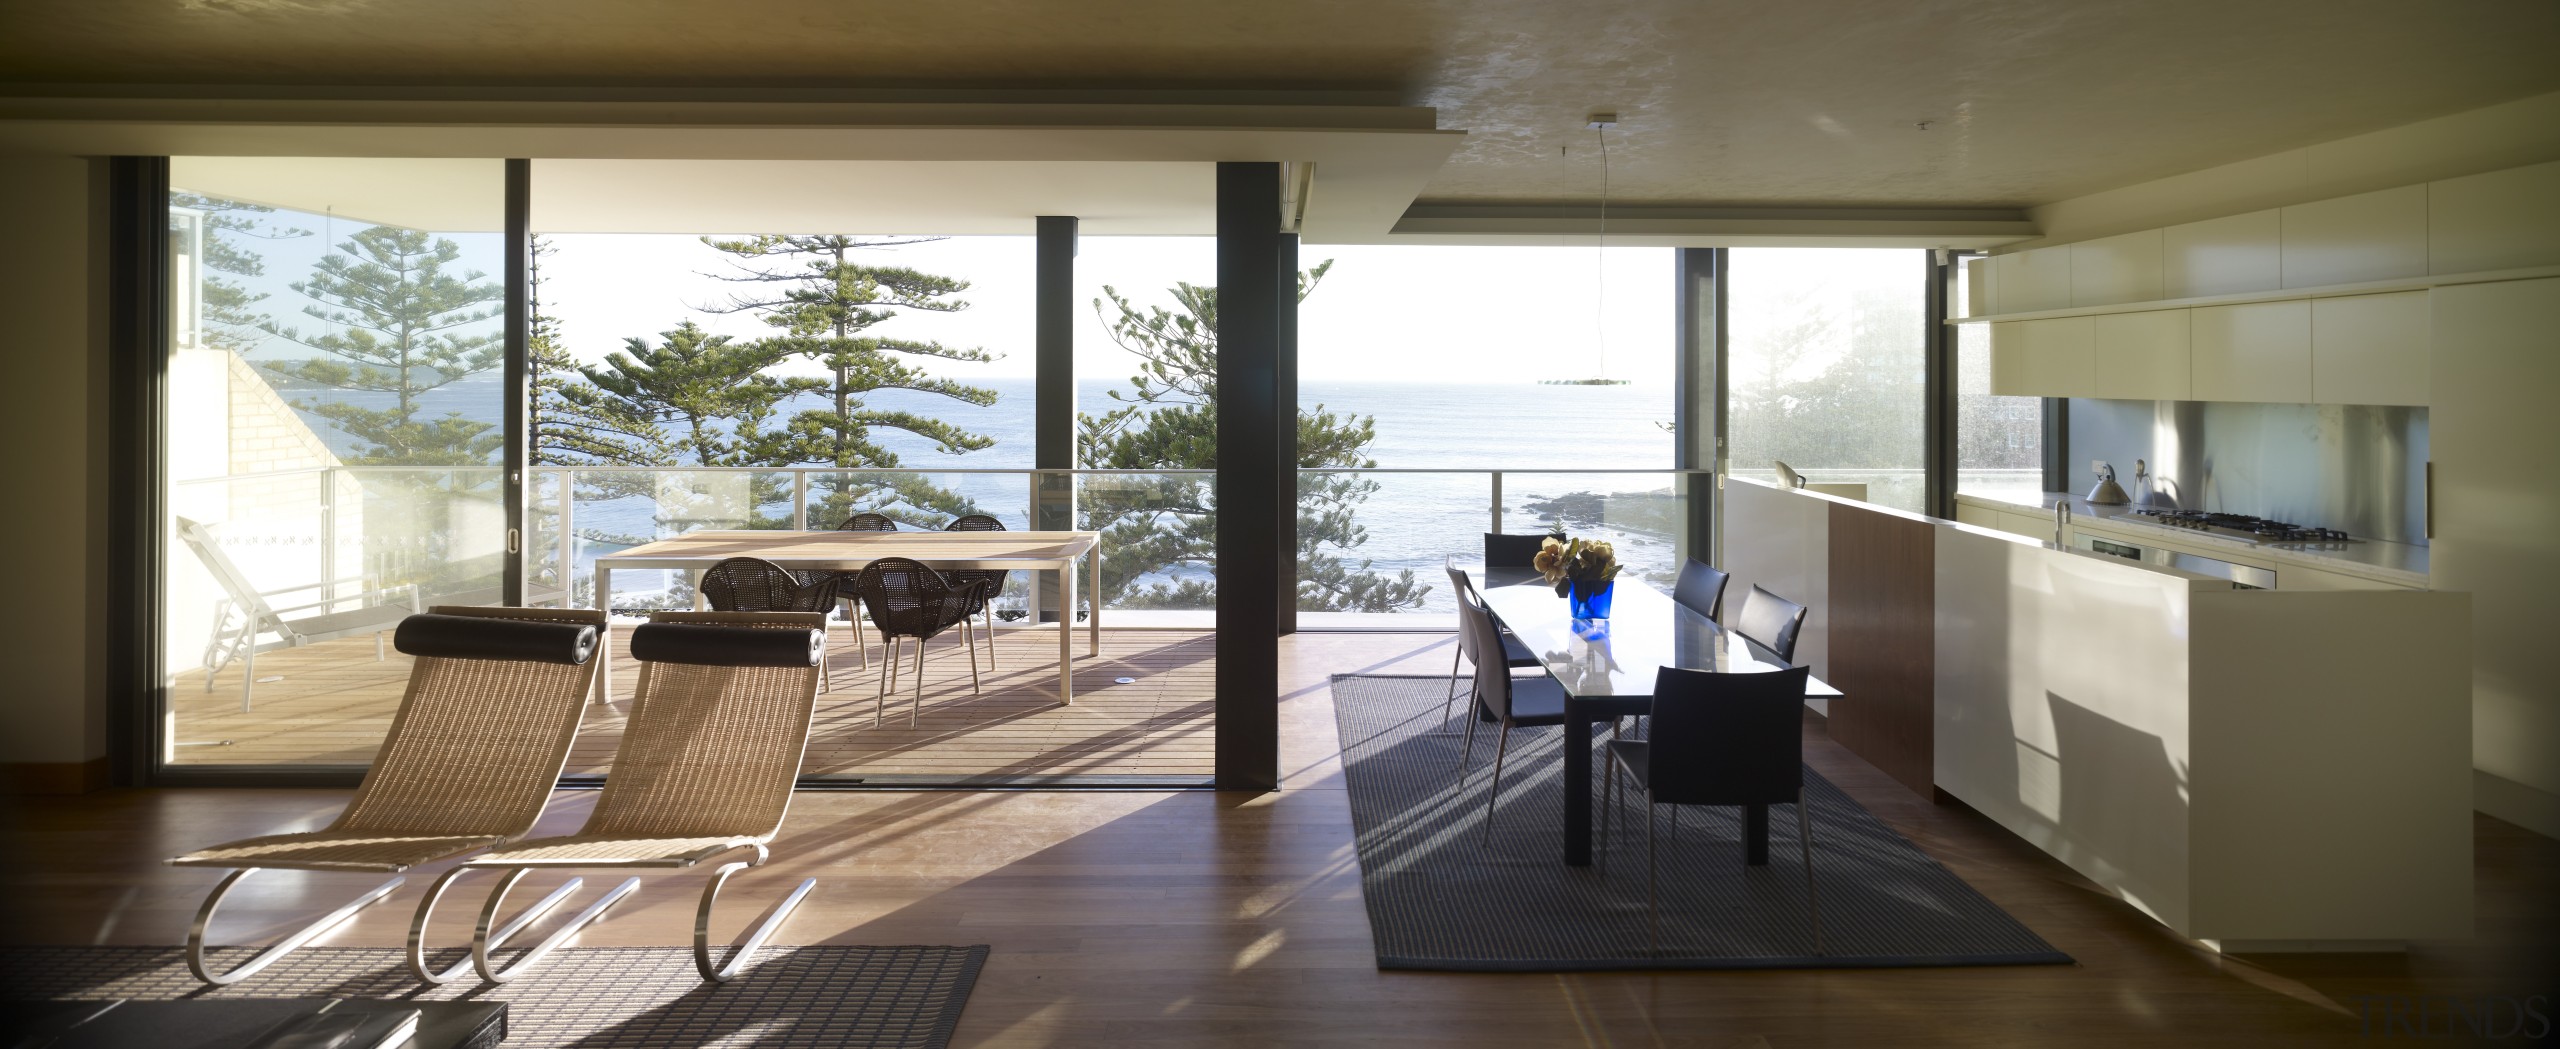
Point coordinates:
pixel 427 909
pixel 989 612
pixel 764 928
pixel 1468 752
pixel 976 688
pixel 1608 795
pixel 918 705
pixel 248 674
pixel 1500 748
pixel 1812 895
pixel 1454 657
pixel 197 964
pixel 888 678
pixel 482 942
pixel 1652 902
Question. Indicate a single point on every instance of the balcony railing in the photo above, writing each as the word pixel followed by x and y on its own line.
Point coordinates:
pixel 443 528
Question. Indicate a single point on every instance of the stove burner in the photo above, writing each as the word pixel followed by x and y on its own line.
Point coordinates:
pixel 2244 525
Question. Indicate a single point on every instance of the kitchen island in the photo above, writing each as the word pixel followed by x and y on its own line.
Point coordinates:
pixel 2257 769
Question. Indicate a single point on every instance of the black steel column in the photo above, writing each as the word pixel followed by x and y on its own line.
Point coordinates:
pixel 519 374
pixel 1938 416
pixel 1252 285
pixel 1053 339
pixel 1694 407
pixel 137 328
pixel 1285 385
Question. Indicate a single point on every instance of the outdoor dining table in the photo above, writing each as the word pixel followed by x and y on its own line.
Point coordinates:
pixel 1607 669
pixel 1057 552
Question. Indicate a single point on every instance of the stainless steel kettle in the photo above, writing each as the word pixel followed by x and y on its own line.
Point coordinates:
pixel 2106 492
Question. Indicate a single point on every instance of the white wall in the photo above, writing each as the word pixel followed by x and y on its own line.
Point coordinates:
pixel 53 425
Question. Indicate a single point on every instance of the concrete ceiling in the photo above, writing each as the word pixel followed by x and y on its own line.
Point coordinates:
pixel 1721 102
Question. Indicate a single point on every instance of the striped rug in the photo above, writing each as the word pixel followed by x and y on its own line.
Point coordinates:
pixel 1441 897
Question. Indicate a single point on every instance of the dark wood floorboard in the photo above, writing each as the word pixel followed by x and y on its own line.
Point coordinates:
pixel 1192 919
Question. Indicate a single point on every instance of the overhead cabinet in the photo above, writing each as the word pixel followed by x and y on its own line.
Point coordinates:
pixel 2141 356
pixel 2256 351
pixel 2370 349
pixel 2046 358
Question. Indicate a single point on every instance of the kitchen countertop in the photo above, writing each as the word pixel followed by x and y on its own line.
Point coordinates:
pixel 2400 564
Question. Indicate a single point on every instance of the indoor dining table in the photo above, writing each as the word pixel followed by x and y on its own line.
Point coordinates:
pixel 1607 669
pixel 1057 552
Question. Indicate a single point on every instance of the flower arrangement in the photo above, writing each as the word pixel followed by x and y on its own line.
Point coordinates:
pixel 1563 562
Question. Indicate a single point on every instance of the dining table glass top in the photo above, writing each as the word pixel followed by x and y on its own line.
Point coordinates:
pixel 1618 656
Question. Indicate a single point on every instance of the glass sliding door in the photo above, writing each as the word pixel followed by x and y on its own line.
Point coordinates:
pixel 333 439
pixel 1827 368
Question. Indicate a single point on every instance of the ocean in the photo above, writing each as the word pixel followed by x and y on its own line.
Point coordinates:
pixel 1412 521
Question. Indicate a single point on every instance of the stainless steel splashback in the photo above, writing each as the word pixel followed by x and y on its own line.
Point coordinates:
pixel 2359 468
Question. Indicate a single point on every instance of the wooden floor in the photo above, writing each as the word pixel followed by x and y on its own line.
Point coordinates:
pixel 1197 918
pixel 332 702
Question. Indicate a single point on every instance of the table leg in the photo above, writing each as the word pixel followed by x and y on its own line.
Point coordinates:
pixel 1066 632
pixel 1093 586
pixel 1577 785
pixel 1755 835
pixel 604 644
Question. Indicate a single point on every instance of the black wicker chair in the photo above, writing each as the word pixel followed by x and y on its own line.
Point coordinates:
pixel 863 522
pixel 904 598
pixel 985 605
pixel 753 584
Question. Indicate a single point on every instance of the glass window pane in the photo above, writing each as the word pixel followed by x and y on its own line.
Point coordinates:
pixel 334 436
pixel 1999 440
pixel 1827 367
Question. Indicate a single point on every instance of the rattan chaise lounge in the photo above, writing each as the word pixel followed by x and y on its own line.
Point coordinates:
pixel 473 754
pixel 706 767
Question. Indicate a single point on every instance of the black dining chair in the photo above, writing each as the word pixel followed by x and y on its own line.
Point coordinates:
pixel 907 599
pixel 994 580
pixel 1514 653
pixel 1772 621
pixel 1724 739
pixel 1502 550
pixel 1701 587
pixel 862 522
pixel 753 584
pixel 1524 702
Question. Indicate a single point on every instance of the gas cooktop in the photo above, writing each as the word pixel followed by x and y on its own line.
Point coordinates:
pixel 2247 528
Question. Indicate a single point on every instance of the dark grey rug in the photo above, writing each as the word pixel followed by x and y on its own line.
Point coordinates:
pixel 1441 898
pixel 591 997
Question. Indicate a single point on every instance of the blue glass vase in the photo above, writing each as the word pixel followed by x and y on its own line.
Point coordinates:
pixel 1590 598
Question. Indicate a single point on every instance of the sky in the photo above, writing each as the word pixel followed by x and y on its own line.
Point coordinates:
pixel 1404 313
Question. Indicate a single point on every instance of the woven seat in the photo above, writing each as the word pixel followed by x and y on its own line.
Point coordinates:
pixel 905 599
pixel 590 850
pixel 471 758
pixel 983 606
pixel 707 766
pixel 330 851
pixel 752 584
pixel 863 522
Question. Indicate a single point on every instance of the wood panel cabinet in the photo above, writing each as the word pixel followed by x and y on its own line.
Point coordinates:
pixel 2258 351
pixel 2046 358
pixel 2370 349
pixel 2141 356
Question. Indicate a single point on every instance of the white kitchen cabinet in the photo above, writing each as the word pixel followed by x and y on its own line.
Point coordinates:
pixel 2345 240
pixel 2110 270
pixel 2046 358
pixel 1981 292
pixel 2295 577
pixel 2234 255
pixel 2492 430
pixel 2256 351
pixel 2141 356
pixel 1980 516
pixel 2500 220
pixel 2029 525
pixel 2034 280
pixel 2370 349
